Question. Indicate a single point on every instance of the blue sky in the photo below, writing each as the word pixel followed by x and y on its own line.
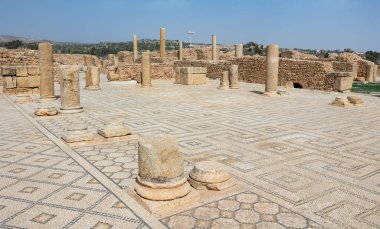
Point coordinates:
pixel 316 24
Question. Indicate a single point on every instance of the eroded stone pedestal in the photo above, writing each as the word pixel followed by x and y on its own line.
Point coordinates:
pixel 355 100
pixel 77 132
pixel 46 110
pixel 114 128
pixel 234 76
pixel 193 75
pixel 342 81
pixel 341 102
pixel 210 175
pixel 92 78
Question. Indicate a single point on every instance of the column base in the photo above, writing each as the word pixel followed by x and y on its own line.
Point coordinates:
pixel 234 87
pixel 71 110
pixel 223 88
pixel 47 99
pixel 146 86
pixel 92 88
pixel 271 94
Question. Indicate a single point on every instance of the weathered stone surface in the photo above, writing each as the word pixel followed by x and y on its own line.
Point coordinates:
pixel 9 71
pixel 355 100
pixel 145 70
pixel 214 48
pixel 21 71
pixel 46 110
pixel 194 70
pixel 70 95
pixel 239 50
pixel 114 128
pixel 341 102
pixel 180 52
pixel 28 82
pixel 77 132
pixel 162 42
pixel 209 172
pixel 177 79
pixel 161 169
pixel 342 81
pixel 21 99
pixel 272 63
pixel 92 78
pixel 33 70
pixel 224 81
pixel 210 175
pixel 234 76
pixel 10 82
pixel 135 49
pixel 45 53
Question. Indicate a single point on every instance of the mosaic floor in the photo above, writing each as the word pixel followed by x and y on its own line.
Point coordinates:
pixel 299 162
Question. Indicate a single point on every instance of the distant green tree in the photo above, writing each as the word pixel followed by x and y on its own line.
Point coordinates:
pixel 372 56
pixel 13 44
pixel 347 50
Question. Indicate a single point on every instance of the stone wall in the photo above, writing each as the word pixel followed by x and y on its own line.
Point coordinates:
pixel 12 57
pixel 131 71
pixel 20 79
pixel 77 59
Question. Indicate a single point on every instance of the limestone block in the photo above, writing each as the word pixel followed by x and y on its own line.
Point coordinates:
pixel 9 71
pixel 77 132
pixel 114 128
pixel 28 82
pixel 159 158
pixel 355 100
pixel 212 186
pixel 342 81
pixel 112 76
pixel 33 70
pixel 10 82
pixel 46 110
pixel 341 102
pixel 21 99
pixel 194 70
pixel 21 71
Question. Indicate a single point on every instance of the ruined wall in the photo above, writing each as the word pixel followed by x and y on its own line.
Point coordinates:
pixel 131 71
pixel 20 79
pixel 214 68
pixel 9 57
pixel 77 59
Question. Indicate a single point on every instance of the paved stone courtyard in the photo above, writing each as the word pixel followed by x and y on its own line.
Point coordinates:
pixel 299 162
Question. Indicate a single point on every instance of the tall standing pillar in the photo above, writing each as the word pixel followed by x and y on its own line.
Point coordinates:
pixel 214 50
pixel 272 61
pixel 162 42
pixel 135 50
pixel 45 53
pixel 70 95
pixel 239 50
pixel 180 54
pixel 145 70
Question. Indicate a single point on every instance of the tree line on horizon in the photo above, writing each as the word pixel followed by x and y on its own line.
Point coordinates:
pixel 102 49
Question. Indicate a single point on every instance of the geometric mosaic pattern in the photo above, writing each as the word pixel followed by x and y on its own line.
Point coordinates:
pixel 312 160
pixel 42 187
pixel 244 210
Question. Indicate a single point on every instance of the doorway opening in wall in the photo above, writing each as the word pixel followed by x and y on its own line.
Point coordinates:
pixel 297 85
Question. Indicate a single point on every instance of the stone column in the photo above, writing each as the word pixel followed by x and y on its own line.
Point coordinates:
pixel 214 49
pixel 224 81
pixel 180 54
pixel 45 54
pixel 162 42
pixel 145 70
pixel 70 96
pixel 370 73
pixel 234 76
pixel 92 78
pixel 272 61
pixel 161 169
pixel 135 50
pixel 239 50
